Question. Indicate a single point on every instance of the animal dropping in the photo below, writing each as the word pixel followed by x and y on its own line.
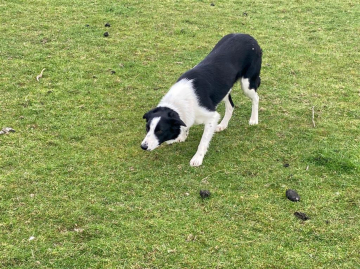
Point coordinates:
pixel 205 193
pixel 301 215
pixel 292 195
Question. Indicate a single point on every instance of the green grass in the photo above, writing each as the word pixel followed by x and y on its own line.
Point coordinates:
pixel 73 175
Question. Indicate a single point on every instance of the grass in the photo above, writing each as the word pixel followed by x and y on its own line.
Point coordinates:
pixel 76 191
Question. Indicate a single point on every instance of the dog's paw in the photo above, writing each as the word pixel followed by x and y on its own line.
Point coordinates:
pixel 182 138
pixel 196 160
pixel 253 121
pixel 220 128
pixel 183 135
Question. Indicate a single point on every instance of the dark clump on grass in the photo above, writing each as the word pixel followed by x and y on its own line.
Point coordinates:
pixel 292 195
pixel 205 194
pixel 301 215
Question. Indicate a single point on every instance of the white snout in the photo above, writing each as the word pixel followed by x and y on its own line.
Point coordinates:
pixel 149 143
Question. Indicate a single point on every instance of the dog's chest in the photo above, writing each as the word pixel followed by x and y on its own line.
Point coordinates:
pixel 201 119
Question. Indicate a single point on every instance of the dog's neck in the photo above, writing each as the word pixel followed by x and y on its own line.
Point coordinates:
pixel 182 100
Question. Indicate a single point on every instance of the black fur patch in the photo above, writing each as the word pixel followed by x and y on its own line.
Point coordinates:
pixel 235 56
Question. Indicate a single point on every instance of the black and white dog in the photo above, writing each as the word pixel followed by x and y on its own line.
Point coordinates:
pixel 194 97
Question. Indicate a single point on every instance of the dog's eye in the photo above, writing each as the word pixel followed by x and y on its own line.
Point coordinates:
pixel 159 132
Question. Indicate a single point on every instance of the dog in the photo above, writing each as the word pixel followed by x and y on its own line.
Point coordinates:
pixel 194 97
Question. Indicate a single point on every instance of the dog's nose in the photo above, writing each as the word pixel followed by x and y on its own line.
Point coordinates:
pixel 144 147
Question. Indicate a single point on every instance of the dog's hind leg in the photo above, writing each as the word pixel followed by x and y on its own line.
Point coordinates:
pixel 209 130
pixel 249 89
pixel 229 108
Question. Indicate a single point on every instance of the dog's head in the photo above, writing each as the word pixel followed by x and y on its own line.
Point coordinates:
pixel 162 124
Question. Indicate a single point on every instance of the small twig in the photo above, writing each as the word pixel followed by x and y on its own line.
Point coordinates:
pixel 40 76
pixel 313 115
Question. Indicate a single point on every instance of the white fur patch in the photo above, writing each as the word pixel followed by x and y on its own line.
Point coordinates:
pixel 252 94
pixel 209 130
pixel 228 113
pixel 150 141
pixel 182 99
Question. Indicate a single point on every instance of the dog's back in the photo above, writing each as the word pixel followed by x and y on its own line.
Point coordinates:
pixel 235 56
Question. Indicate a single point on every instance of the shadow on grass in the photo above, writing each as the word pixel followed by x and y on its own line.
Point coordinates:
pixel 334 160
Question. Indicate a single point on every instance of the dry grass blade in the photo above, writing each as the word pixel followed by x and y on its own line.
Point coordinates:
pixel 313 116
pixel 40 75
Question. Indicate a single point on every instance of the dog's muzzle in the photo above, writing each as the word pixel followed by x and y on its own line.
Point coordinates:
pixel 149 143
pixel 144 146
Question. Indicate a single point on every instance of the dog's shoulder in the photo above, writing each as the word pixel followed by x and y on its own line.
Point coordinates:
pixel 182 91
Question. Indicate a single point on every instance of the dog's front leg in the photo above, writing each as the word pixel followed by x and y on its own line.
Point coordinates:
pixel 209 130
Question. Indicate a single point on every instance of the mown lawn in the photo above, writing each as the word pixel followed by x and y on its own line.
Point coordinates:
pixel 76 190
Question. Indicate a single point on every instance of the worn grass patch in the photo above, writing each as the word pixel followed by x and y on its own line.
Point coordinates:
pixel 76 190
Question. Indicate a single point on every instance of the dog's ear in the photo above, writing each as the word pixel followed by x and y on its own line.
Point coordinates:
pixel 177 122
pixel 146 116
pixel 172 114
